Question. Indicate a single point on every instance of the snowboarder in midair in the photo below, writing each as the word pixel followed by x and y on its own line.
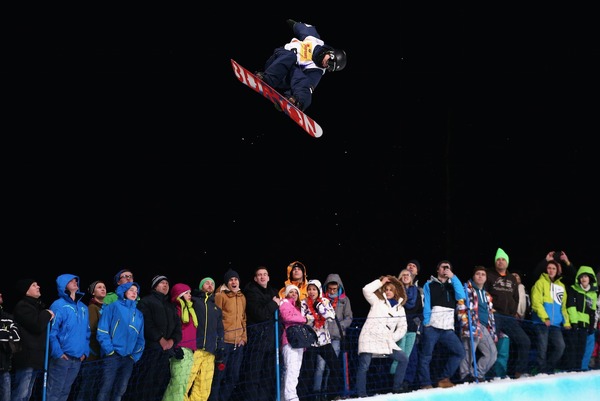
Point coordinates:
pixel 296 69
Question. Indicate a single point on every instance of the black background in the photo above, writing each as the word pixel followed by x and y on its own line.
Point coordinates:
pixel 454 130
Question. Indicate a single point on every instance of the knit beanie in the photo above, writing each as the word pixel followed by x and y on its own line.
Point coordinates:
pixel 416 263
pixel 290 287
pixel 92 286
pixel 204 280
pixel 157 279
pixel 229 274
pixel 22 286
pixel 501 254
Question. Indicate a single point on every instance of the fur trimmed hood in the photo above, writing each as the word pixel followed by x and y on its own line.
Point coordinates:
pixel 400 291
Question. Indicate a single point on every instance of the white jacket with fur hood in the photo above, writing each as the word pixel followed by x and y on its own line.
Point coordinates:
pixel 385 324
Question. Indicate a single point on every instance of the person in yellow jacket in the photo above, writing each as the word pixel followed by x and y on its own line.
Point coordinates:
pixel 296 275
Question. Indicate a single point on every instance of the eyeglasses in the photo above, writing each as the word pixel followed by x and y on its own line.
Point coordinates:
pixel 127 276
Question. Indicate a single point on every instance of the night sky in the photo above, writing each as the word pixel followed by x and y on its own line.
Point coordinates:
pixel 452 132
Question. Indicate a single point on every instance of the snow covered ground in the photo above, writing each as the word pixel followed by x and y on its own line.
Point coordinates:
pixel 582 386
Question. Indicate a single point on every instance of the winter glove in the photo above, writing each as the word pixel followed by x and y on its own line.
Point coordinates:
pixel 178 353
pixel 291 23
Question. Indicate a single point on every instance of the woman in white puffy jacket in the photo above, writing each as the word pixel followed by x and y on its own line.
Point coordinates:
pixel 384 327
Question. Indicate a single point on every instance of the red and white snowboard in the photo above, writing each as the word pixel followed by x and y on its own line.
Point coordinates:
pixel 253 82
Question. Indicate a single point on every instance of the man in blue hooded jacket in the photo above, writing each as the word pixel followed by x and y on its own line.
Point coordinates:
pixel 69 337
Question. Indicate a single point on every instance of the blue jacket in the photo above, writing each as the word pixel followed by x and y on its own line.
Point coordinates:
pixel 121 327
pixel 439 302
pixel 70 329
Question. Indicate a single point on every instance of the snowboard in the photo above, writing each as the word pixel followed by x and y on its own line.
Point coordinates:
pixel 253 82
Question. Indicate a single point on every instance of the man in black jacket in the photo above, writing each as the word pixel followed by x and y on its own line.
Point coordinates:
pixel 33 318
pixel 162 331
pixel 261 303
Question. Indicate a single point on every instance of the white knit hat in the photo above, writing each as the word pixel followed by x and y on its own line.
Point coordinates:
pixel 291 287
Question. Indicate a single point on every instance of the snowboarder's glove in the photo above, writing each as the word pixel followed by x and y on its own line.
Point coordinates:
pixel 291 23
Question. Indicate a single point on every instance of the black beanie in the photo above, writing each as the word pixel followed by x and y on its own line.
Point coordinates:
pixel 23 285
pixel 416 262
pixel 229 274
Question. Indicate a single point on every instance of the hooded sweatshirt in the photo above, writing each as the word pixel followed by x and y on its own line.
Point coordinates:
pixel 300 284
pixel 121 326
pixel 581 302
pixel 341 303
pixel 70 329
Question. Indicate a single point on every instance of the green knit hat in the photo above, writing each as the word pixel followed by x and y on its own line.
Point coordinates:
pixel 501 254
pixel 204 280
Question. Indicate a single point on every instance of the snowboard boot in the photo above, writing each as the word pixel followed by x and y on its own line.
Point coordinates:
pixel 295 102
pixel 292 100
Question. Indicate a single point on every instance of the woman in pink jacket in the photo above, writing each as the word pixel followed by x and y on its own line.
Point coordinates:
pixel 290 313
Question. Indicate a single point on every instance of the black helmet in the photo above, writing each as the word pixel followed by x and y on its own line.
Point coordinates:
pixel 337 60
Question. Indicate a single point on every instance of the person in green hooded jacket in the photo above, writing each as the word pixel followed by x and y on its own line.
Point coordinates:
pixel 582 298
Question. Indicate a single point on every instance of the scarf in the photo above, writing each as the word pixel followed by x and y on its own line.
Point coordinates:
pixel 333 300
pixel 186 311
pixel 319 319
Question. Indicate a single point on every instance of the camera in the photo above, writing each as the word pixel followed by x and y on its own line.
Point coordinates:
pixel 557 255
